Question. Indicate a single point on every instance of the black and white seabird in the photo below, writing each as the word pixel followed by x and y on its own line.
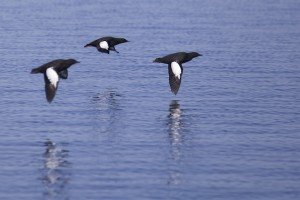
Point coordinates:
pixel 175 69
pixel 53 71
pixel 106 44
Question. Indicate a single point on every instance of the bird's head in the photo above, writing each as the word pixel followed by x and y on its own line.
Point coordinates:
pixel 191 55
pixel 72 61
pixel 124 40
pixel 194 55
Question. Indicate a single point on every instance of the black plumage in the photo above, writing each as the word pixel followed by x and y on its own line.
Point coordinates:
pixel 53 71
pixel 175 68
pixel 106 44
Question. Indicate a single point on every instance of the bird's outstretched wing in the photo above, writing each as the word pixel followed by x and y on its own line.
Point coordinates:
pixel 175 75
pixel 50 92
pixel 51 83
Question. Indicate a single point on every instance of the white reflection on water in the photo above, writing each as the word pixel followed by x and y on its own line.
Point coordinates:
pixel 174 128
pixel 176 140
pixel 55 173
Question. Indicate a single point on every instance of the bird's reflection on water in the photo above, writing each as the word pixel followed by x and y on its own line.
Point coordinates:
pixel 175 128
pixel 107 104
pixel 106 100
pixel 176 140
pixel 55 173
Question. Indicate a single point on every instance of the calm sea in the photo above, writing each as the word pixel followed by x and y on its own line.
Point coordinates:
pixel 114 129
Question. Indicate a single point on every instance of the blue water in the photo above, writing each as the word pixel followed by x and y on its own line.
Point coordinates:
pixel 114 129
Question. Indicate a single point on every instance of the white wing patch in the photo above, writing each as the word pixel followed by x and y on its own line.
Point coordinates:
pixel 176 69
pixel 52 76
pixel 104 45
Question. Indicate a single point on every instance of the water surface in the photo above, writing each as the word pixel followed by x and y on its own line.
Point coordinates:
pixel 114 129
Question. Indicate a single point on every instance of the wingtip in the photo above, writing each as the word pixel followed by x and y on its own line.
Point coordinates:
pixel 49 99
pixel 174 90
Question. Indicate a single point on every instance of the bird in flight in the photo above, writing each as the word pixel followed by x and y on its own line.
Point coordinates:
pixel 175 68
pixel 106 44
pixel 53 71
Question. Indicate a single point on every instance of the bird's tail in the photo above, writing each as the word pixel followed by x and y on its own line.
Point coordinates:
pixel 158 60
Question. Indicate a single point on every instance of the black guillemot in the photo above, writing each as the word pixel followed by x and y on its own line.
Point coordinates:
pixel 175 69
pixel 53 71
pixel 106 44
